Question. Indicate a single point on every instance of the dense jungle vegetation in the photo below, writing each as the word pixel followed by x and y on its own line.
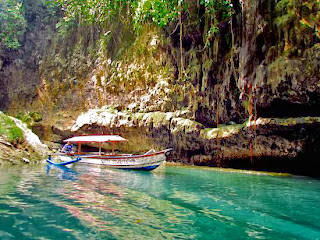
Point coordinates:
pixel 13 22
pixel 160 12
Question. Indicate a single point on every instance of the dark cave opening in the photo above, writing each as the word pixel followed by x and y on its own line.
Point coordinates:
pixel 304 165
pixel 282 108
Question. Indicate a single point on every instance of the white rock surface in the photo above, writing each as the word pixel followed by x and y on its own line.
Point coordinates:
pixel 32 139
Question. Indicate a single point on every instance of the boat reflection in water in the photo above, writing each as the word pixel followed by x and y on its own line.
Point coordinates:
pixel 62 172
pixel 114 201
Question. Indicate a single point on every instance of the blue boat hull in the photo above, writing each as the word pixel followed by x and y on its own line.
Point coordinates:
pixel 49 160
pixel 149 168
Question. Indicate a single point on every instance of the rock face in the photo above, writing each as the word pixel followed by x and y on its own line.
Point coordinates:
pixel 264 144
pixel 31 138
pixel 263 63
pixel 19 69
pixel 19 144
pixel 279 58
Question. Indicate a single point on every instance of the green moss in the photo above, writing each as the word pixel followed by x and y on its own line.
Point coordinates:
pixel 37 117
pixel 229 130
pixel 295 121
pixel 221 132
pixel 137 116
pixel 30 118
pixel 186 125
pixel 281 68
pixel 111 108
pixel 158 116
pixel 312 56
pixel 9 129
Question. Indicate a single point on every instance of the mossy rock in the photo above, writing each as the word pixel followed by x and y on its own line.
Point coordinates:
pixel 295 121
pixel 9 130
pixel 221 132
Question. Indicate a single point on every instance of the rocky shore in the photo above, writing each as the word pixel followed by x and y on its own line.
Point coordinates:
pixel 18 144
pixel 270 144
pixel 264 144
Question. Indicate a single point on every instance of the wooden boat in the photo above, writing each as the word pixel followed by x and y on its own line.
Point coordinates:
pixel 148 161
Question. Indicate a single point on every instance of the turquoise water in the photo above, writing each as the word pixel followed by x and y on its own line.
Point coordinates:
pixel 172 202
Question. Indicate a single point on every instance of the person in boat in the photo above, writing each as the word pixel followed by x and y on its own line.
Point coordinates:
pixel 67 148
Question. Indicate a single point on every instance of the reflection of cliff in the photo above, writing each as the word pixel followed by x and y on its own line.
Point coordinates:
pixel 120 203
pixel 101 203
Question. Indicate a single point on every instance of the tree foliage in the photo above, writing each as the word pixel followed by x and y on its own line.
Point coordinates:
pixel 159 12
pixel 12 23
pixel 162 13
pixel 216 11
pixel 136 12
pixel 91 11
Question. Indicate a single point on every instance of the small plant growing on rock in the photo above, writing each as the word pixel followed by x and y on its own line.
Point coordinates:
pixel 9 130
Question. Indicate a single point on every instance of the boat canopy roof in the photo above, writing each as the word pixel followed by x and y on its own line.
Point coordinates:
pixel 96 138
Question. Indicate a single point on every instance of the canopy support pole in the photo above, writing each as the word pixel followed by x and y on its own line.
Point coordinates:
pixel 112 148
pixel 100 148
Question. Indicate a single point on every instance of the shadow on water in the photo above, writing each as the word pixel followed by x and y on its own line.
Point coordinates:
pixel 62 172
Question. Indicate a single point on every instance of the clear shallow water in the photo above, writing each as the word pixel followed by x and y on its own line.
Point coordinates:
pixel 172 202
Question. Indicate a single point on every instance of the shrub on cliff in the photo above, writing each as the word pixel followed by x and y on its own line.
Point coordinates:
pixel 12 24
pixel 9 130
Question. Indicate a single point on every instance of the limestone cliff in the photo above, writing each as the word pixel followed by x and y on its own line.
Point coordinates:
pixel 283 145
pixel 264 62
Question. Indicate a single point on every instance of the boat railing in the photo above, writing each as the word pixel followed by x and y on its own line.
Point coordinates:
pixel 99 153
pixel 109 155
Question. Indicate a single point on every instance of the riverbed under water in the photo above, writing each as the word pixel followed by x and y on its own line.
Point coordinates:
pixel 172 202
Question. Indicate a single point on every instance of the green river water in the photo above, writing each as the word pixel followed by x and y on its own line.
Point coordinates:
pixel 172 202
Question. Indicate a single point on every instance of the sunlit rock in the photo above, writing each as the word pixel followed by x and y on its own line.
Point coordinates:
pixel 31 138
